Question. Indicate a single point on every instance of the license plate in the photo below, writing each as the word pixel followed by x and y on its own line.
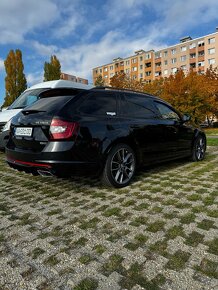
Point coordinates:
pixel 24 131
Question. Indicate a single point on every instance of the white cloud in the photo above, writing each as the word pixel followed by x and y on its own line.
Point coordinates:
pixel 45 50
pixel 18 17
pixel 34 78
pixel 2 64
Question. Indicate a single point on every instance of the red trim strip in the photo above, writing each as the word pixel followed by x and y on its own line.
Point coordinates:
pixel 28 163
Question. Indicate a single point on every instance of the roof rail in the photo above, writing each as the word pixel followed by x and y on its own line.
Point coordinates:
pixel 119 89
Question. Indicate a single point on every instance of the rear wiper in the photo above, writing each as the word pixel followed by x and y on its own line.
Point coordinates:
pixel 28 112
pixel 18 108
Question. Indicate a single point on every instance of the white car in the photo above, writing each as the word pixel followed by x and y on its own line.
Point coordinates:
pixel 31 95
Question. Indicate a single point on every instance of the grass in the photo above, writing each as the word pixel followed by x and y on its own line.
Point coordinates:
pixel 87 284
pixel 208 268
pixel 194 239
pixel 211 131
pixel 178 260
pixel 212 141
pixel 113 264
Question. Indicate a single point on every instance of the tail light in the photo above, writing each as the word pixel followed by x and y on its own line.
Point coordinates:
pixel 63 130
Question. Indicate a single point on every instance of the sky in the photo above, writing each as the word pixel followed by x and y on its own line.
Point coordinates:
pixel 84 34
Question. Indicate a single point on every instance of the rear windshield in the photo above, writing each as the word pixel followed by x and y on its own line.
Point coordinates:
pixel 26 98
pixel 52 104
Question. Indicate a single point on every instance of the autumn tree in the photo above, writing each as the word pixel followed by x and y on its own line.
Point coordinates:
pixel 15 80
pixel 99 81
pixel 123 81
pixel 211 82
pixel 52 69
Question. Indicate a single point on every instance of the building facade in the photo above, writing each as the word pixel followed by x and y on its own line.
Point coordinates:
pixel 72 78
pixel 197 54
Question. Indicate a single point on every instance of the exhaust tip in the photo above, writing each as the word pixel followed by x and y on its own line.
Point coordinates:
pixel 45 173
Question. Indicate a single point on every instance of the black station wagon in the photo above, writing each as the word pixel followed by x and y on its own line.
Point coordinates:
pixel 104 130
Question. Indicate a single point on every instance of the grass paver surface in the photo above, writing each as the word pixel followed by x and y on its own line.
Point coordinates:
pixel 158 233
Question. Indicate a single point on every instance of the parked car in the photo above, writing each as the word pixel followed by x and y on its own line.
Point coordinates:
pixel 104 130
pixel 30 96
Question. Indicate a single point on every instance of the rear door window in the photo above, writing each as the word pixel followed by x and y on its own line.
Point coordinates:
pixel 137 106
pixel 98 103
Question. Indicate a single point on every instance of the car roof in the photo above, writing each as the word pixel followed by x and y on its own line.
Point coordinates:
pixel 60 84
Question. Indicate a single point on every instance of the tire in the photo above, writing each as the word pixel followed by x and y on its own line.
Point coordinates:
pixel 119 167
pixel 199 148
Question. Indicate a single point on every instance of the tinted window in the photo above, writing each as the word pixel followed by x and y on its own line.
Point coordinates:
pixel 134 105
pixel 166 112
pixel 98 103
pixel 26 98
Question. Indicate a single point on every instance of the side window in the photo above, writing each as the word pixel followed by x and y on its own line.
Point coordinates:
pixel 137 106
pixel 98 103
pixel 166 112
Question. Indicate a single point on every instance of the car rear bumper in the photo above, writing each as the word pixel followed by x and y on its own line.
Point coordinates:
pixel 49 162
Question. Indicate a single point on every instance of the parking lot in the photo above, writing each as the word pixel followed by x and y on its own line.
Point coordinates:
pixel 158 233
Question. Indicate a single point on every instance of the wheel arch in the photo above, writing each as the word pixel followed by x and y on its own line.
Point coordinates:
pixel 128 141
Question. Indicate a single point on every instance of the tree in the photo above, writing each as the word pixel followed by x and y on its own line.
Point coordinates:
pixel 122 81
pixel 52 69
pixel 15 80
pixel 99 81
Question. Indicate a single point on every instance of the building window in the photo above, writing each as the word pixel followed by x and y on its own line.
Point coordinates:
pixel 211 61
pixel 173 60
pixel 157 64
pixel 193 45
pixel 127 62
pixel 211 40
pixel 183 48
pixel 111 67
pixel 111 75
pixel 141 66
pixel 141 58
pixel 127 71
pixel 141 75
pixel 201 53
pixel 200 43
pixel 157 54
pixel 96 71
pixel 134 60
pixel 193 55
pixel 100 70
pixel 165 62
pixel 106 76
pixel 134 68
pixel 173 51
pixel 183 67
pixel 134 77
pixel 211 50
pixel 148 64
pixel 105 69
pixel 201 63
pixel 147 56
pixel 183 58
pixel 165 71
pixel 174 70
pixel 165 53
pixel 157 74
pixel 148 73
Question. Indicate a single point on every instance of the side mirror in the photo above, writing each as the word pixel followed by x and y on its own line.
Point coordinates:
pixel 186 118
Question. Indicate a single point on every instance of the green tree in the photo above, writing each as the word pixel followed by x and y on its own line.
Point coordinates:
pixel 99 81
pixel 52 69
pixel 15 80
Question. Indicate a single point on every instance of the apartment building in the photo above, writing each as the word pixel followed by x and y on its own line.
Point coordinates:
pixel 72 78
pixel 197 54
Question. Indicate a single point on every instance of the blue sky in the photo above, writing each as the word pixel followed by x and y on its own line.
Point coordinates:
pixel 85 34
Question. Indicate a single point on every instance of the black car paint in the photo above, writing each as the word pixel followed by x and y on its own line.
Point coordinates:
pixel 154 140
